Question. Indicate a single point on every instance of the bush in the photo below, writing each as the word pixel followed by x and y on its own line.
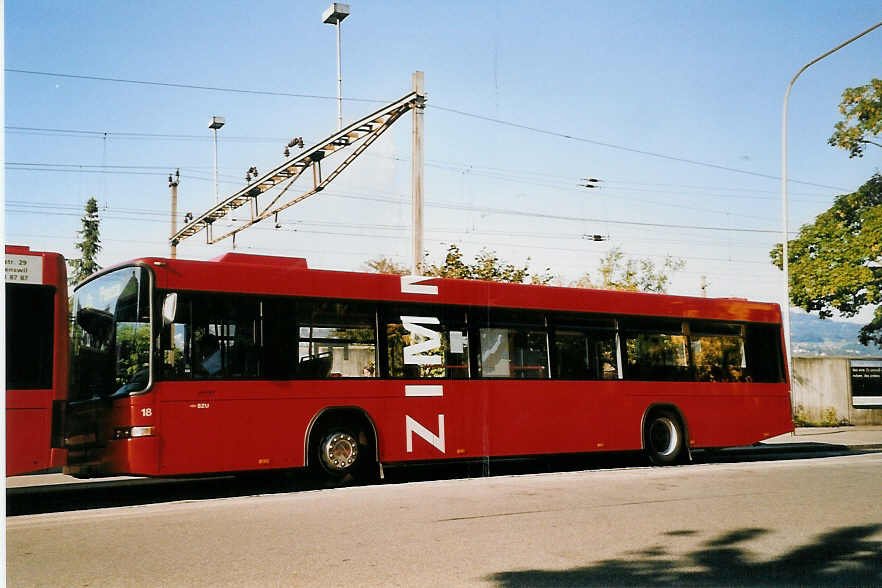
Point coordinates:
pixel 829 418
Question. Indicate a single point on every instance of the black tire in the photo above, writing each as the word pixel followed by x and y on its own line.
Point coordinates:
pixel 341 455
pixel 663 438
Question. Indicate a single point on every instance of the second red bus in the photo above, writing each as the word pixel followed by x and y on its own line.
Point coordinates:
pixel 36 359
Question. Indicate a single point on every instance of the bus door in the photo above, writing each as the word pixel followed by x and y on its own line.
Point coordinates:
pixel 110 361
pixel 208 351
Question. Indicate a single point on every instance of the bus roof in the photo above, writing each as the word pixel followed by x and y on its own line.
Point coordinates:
pixel 290 276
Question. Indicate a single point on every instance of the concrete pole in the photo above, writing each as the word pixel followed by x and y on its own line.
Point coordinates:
pixel 417 174
pixel 216 196
pixel 173 184
pixel 339 79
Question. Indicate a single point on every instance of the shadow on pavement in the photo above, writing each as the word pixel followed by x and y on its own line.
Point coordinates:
pixel 107 494
pixel 843 557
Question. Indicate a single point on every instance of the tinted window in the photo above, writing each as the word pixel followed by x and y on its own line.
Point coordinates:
pixel 426 342
pixel 337 339
pixel 764 356
pixel 29 321
pixel 584 354
pixel 214 336
pixel 513 345
pixel 655 349
pixel 718 352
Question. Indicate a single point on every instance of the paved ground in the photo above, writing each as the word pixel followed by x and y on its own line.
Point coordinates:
pixel 864 437
pixel 777 522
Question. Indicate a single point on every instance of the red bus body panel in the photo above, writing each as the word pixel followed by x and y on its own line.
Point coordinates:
pixel 29 413
pixel 216 426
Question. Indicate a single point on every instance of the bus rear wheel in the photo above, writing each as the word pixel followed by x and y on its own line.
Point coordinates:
pixel 341 456
pixel 663 437
pixel 339 452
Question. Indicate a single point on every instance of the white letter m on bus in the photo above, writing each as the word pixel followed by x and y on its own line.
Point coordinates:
pixel 413 354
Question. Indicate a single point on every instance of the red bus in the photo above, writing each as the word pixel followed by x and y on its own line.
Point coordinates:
pixel 36 359
pixel 254 362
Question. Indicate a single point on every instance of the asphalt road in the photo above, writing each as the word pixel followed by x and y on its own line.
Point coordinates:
pixel 807 521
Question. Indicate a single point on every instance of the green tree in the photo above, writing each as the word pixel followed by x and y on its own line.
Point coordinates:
pixel 836 262
pixel 384 265
pixel 862 109
pixel 89 245
pixel 616 272
pixel 486 266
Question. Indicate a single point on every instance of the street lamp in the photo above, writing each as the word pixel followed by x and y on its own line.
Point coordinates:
pixel 785 251
pixel 334 15
pixel 215 123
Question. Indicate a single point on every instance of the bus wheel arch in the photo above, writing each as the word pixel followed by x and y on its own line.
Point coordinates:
pixel 341 444
pixel 664 435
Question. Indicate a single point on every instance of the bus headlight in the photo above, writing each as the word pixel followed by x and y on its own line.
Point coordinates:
pixel 132 432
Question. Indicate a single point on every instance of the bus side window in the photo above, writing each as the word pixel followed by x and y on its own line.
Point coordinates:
pixel 718 351
pixel 214 336
pixel 175 344
pixel 513 345
pixel 588 354
pixel 336 339
pixel 764 357
pixel 655 349
pixel 426 342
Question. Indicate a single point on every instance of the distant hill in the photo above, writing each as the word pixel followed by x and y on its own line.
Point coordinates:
pixel 813 336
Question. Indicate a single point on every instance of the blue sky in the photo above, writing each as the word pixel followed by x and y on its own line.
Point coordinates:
pixel 636 86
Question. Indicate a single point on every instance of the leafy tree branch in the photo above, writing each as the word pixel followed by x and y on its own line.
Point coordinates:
pixel 862 109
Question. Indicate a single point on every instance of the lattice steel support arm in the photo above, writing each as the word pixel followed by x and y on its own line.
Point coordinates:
pixel 364 132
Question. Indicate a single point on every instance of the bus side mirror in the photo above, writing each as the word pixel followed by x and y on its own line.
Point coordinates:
pixel 169 308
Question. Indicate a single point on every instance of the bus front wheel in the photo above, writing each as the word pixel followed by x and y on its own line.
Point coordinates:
pixel 663 437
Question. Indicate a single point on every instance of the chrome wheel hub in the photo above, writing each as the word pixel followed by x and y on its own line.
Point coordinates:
pixel 339 451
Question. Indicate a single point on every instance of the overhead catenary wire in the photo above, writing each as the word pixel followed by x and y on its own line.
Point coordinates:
pixel 537 214
pixel 180 85
pixel 21 206
pixel 160 171
pixel 534 129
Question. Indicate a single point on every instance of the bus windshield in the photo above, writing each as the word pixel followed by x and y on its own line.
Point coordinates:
pixel 110 338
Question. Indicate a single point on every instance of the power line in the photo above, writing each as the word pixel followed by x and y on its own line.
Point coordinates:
pixel 622 147
pixel 457 167
pixel 161 171
pixel 488 210
pixel 553 216
pixel 185 86
pixel 442 108
pixel 22 206
pixel 132 135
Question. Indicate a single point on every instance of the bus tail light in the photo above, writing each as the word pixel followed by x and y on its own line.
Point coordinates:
pixel 132 432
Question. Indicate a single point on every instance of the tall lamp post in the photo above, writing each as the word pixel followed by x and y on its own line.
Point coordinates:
pixel 785 252
pixel 334 15
pixel 215 123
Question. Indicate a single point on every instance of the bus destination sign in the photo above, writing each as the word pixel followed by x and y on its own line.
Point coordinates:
pixel 24 269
